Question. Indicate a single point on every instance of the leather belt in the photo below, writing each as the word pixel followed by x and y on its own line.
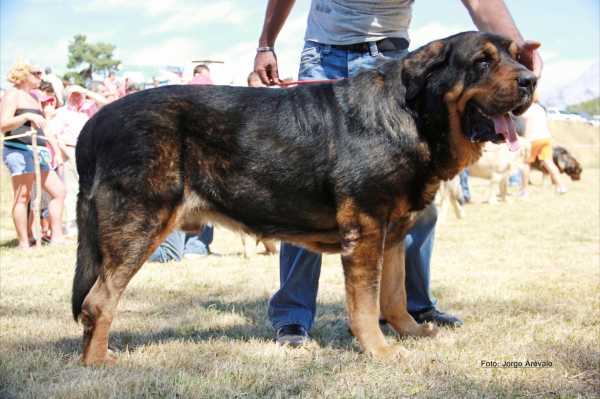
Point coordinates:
pixel 387 44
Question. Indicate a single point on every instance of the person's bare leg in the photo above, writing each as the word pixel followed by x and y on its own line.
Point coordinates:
pixel 554 172
pixel 525 176
pixel 53 186
pixel 22 194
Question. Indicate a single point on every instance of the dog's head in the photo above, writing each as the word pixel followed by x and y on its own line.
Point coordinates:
pixel 566 163
pixel 479 79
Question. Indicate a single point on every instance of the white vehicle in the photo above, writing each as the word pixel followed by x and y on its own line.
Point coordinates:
pixel 587 118
pixel 556 114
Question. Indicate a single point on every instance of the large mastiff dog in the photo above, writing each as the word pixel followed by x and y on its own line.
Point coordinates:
pixel 344 167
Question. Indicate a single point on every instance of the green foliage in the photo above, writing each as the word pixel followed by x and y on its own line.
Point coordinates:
pixel 77 78
pixel 592 107
pixel 98 57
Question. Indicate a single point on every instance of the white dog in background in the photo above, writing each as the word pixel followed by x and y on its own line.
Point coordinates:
pixel 497 164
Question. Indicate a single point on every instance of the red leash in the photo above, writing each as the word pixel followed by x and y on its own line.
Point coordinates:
pixel 304 82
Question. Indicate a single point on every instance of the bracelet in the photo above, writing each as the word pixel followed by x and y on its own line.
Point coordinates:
pixel 264 49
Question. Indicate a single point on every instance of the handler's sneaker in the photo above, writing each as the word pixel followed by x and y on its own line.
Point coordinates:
pixel 521 193
pixel 560 190
pixel 293 335
pixel 435 316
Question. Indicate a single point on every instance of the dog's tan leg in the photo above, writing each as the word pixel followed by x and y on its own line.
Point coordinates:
pixel 393 296
pixel 270 247
pixel 458 208
pixel 545 178
pixel 125 244
pixel 249 246
pixel 362 247
pixel 97 315
pixel 446 197
pixel 494 188
pixel 504 189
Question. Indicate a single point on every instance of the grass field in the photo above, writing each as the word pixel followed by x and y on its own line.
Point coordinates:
pixel 580 139
pixel 524 277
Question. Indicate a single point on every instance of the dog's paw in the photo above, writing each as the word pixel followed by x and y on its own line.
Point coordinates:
pixel 108 358
pixel 388 352
pixel 428 330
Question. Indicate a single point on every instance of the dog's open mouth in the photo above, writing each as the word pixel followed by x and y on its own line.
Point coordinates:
pixel 482 127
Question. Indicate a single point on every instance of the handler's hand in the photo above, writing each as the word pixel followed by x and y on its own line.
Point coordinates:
pixel 530 57
pixel 265 65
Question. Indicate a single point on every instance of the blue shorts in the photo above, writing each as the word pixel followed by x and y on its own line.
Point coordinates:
pixel 20 161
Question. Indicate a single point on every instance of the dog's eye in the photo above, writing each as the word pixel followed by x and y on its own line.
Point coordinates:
pixel 484 60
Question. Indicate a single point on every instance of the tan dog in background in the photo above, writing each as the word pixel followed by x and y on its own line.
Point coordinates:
pixel 450 193
pixel 498 164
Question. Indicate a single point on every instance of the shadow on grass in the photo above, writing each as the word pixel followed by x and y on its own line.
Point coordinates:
pixel 328 333
pixel 187 321
pixel 10 244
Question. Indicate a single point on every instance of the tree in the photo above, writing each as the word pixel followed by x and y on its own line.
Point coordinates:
pixel 592 107
pixel 98 57
pixel 74 77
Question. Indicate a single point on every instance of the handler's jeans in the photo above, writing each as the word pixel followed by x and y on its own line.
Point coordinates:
pixel 296 300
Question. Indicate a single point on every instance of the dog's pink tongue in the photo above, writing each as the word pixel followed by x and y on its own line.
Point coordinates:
pixel 506 126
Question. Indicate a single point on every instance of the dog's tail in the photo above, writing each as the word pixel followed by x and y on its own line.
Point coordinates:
pixel 89 256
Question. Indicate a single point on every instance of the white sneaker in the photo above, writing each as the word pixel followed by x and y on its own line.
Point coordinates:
pixel 521 193
pixel 70 232
pixel 560 190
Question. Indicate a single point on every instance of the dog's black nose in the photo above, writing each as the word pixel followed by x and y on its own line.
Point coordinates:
pixel 527 80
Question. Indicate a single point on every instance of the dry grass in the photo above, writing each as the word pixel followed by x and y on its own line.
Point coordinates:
pixel 580 139
pixel 524 277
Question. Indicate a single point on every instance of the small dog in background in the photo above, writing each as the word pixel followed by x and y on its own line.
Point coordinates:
pixel 565 162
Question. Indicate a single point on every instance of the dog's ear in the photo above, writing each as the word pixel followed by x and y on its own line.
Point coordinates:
pixel 421 63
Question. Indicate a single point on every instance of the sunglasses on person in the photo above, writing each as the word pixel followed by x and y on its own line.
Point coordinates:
pixel 37 74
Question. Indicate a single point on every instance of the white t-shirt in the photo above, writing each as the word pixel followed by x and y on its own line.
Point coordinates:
pixel 68 122
pixel 536 115
pixel 357 21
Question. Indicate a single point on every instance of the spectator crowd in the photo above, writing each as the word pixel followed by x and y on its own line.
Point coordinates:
pixel 58 109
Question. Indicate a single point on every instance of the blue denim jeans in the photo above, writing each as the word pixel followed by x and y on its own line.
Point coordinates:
pixel 464 183
pixel 516 179
pixel 296 300
pixel 170 249
pixel 198 243
pixel 179 243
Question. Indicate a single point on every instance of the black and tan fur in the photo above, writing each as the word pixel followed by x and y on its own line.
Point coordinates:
pixel 564 161
pixel 342 167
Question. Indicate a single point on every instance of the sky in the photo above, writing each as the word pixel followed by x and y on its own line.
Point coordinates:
pixel 177 32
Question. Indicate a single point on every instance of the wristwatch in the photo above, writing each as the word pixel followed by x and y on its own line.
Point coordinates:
pixel 264 49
